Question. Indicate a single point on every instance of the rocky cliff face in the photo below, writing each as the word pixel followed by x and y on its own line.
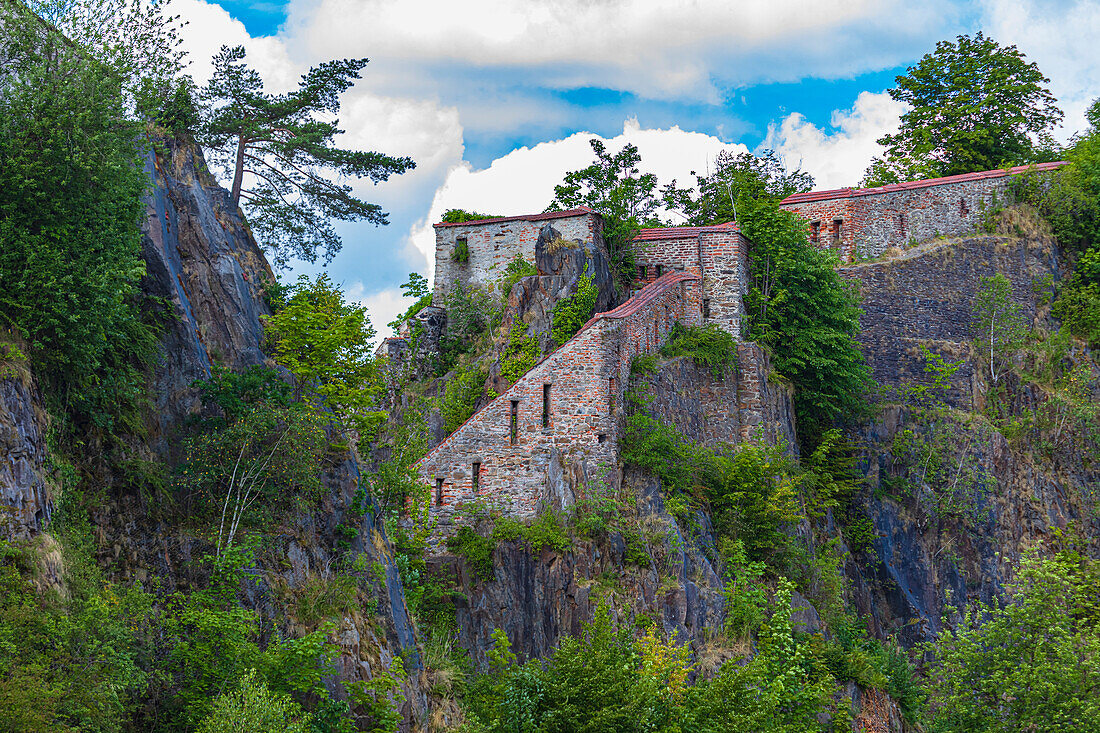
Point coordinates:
pixel 952 503
pixel 204 263
pixel 25 496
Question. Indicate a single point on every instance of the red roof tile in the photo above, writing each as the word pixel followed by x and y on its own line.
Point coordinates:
pixel 643 297
pixel 682 232
pixel 840 193
pixel 580 211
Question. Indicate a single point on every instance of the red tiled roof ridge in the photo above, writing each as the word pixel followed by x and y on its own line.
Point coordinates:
pixel 838 193
pixel 580 210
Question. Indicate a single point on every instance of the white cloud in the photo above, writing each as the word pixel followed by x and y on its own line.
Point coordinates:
pixel 837 158
pixel 1061 37
pixel 522 182
pixel 382 306
pixel 653 48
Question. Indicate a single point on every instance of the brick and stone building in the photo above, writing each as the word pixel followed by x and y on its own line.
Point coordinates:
pixel 864 222
pixel 476 253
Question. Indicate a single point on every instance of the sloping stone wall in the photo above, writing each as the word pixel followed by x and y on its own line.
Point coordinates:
pixel 531 459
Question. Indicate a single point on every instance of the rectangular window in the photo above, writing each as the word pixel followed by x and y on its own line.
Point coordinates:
pixel 815 231
pixel 660 269
pixel 612 393
pixel 439 492
pixel 642 272
pixel 546 405
pixel 706 307
pixel 836 230
pixel 514 421
pixel 476 477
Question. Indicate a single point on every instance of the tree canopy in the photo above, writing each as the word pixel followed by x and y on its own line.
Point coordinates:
pixel 973 105
pixel 278 149
pixel 615 187
pixel 743 176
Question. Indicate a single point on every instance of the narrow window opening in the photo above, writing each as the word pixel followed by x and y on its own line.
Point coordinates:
pixel 601 438
pixel 836 230
pixel 660 269
pixel 962 207
pixel 642 272
pixel 439 492
pixel 901 223
pixel 476 478
pixel 815 231
pixel 612 393
pixel 546 405
pixel 514 421
pixel 706 307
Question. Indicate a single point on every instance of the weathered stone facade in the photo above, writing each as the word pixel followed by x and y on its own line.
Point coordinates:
pixel 492 243
pixel 865 222
pixel 717 255
pixel 558 427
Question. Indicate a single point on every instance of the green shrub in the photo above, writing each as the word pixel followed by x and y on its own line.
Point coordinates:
pixel 459 396
pixel 572 312
pixel 708 346
pixel 477 551
pixel 517 269
pixel 521 355
pixel 253 708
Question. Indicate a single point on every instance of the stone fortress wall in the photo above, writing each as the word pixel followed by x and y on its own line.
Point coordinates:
pixel 493 243
pixel 559 426
pixel 865 222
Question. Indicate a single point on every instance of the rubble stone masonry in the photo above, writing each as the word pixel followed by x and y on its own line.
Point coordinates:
pixel 493 243
pixel 559 426
pixel 864 222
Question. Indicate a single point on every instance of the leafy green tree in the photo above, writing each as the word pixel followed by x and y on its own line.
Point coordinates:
pixel 615 187
pixel 807 315
pixel 325 342
pixel 973 105
pixel 1032 663
pixel 253 708
pixel 999 327
pixel 276 148
pixel 71 186
pixel 715 197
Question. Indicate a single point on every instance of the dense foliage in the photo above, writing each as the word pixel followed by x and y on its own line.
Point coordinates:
pixel 716 195
pixel 1032 663
pixel 973 105
pixel 615 187
pixel 807 315
pixel 71 182
pixel 277 148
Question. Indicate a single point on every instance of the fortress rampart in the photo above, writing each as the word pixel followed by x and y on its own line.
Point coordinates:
pixel 490 244
pixel 563 416
pixel 865 222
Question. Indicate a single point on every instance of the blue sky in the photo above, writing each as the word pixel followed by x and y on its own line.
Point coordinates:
pixel 495 99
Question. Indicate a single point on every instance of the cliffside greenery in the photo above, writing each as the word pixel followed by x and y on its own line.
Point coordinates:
pixel 279 151
pixel 71 182
pixel 1031 663
pixel 573 311
pixel 807 316
pixel 973 105
pixel 327 344
pixel 708 346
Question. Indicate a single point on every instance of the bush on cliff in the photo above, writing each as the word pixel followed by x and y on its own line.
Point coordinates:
pixel 708 346
pixel 807 316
